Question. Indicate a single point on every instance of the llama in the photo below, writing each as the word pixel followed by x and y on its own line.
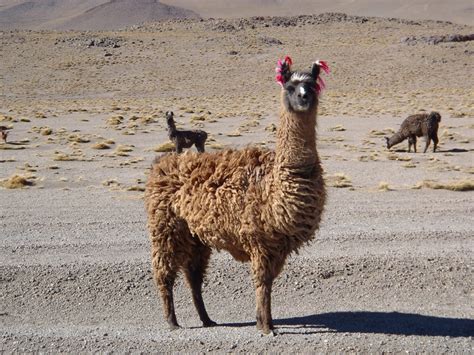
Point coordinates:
pixel 4 133
pixel 259 205
pixel 418 125
pixel 185 139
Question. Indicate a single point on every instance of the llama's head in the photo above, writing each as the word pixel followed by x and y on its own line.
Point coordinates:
pixel 300 89
pixel 169 117
pixel 435 116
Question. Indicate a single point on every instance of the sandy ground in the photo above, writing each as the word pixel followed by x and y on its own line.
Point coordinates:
pixel 391 267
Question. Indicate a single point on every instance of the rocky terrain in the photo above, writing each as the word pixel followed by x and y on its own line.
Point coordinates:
pixel 390 269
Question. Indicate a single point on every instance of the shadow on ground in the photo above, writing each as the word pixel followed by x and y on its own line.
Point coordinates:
pixel 383 323
pixel 372 322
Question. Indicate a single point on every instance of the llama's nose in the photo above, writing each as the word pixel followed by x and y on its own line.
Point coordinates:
pixel 303 96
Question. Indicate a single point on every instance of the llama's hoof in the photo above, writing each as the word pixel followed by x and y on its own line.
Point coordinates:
pixel 269 332
pixel 209 323
pixel 174 327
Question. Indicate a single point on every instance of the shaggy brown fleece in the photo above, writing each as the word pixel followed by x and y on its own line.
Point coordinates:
pixel 257 204
pixel 419 125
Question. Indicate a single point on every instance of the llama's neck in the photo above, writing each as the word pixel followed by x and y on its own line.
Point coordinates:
pixel 296 141
pixel 395 139
pixel 171 129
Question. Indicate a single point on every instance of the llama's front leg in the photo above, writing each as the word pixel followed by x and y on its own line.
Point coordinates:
pixel 200 147
pixel 195 272
pixel 264 272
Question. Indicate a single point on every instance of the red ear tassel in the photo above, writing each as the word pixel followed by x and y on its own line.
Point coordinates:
pixel 287 62
pixel 324 66
pixel 320 84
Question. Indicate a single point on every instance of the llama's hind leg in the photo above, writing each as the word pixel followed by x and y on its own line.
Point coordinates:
pixel 167 257
pixel 194 272
pixel 164 274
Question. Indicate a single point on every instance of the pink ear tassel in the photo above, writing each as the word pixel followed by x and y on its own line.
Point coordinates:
pixel 287 61
pixel 324 66
pixel 321 82
pixel 279 79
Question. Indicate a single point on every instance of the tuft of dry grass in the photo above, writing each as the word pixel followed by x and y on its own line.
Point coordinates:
pixel 16 182
pixel 339 180
pixel 384 186
pixel 78 139
pixel 338 128
pixel 165 147
pixel 136 188
pixel 114 120
pixel 456 185
pixel 100 146
pixel 46 131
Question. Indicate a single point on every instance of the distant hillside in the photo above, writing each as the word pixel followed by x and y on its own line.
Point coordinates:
pixel 458 11
pixel 85 14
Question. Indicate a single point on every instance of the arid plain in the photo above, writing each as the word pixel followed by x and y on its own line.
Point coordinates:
pixel 390 269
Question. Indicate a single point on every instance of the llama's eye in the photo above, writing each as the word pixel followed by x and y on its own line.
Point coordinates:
pixel 290 89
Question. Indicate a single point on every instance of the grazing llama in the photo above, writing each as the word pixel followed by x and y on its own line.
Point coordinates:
pixel 419 125
pixel 185 139
pixel 257 204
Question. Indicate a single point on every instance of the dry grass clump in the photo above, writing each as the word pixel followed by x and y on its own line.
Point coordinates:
pixel 234 134
pixel 78 138
pixel 394 156
pixel 384 186
pixel 165 147
pixel 339 180
pixel 409 165
pixel 16 182
pixel 136 188
pixel 338 128
pixel 110 182
pixel 100 146
pixel 77 156
pixel 374 133
pixel 11 147
pixel 456 185
pixel 7 118
pixel 46 131
pixel 114 120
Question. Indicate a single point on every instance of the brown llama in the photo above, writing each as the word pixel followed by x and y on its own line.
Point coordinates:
pixel 4 133
pixel 259 205
pixel 184 139
pixel 419 125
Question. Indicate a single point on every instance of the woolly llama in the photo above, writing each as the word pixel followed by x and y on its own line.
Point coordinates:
pixel 184 139
pixel 418 125
pixel 259 205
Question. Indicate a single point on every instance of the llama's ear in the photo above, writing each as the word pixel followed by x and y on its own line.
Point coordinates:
pixel 283 70
pixel 316 74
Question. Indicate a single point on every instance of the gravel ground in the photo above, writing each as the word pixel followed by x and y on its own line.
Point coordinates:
pixel 390 269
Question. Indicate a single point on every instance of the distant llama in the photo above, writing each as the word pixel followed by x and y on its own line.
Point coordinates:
pixel 419 125
pixel 259 205
pixel 184 139
pixel 4 133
